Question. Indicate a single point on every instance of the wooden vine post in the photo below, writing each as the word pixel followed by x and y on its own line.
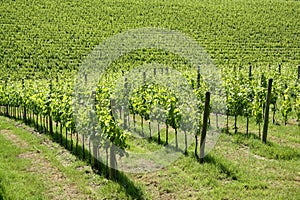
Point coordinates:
pixel 50 115
pixel 198 130
pixel 94 140
pixel 125 111
pixel 267 108
pixel 204 127
pixel 250 72
pixel 299 72
pixel 247 118
pixel 6 106
pixel 113 160
pixel 83 148
pixel 24 107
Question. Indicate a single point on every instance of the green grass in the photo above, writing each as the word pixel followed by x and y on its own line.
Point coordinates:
pixel 230 171
pixel 239 167
pixel 13 175
pixel 16 172
pixel 52 35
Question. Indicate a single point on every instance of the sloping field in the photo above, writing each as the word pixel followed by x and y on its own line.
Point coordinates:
pixel 43 45
pixel 41 35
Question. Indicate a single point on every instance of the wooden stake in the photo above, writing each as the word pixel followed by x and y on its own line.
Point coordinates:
pixel 204 127
pixel 267 108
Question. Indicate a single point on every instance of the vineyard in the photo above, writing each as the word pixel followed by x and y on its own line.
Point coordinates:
pixel 149 99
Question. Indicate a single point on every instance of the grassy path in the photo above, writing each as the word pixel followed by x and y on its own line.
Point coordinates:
pixel 239 167
pixel 33 167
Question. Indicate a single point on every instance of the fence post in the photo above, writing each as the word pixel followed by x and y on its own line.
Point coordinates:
pixel 113 160
pixel 198 78
pixel 24 107
pixel 204 128
pixel 267 108
pixel 250 72
pixel 83 138
pixel 125 110
pixel 94 125
pixel 7 106
pixel 198 130
pixel 50 115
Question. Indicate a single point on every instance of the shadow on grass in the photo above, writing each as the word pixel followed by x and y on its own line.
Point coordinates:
pixel 269 150
pixel 131 189
pixel 1 191
pixel 226 168
pixel 154 139
pixel 244 135
pixel 82 153
pixel 99 167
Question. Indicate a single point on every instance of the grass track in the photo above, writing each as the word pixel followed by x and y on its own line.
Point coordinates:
pixel 239 167
pixel 53 173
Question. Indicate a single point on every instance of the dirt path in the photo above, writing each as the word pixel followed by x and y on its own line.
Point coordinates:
pixel 60 186
pixel 8 134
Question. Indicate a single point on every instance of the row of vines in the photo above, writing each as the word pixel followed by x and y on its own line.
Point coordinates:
pixel 48 105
